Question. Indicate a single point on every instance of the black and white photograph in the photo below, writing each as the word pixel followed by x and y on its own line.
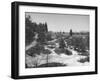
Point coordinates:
pixel 51 40
pixel 56 40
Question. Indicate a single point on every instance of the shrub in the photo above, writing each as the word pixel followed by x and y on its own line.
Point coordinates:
pixel 46 51
pixel 68 52
pixel 59 50
pixel 84 60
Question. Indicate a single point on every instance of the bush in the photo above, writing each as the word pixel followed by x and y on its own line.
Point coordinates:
pixel 84 60
pixel 68 52
pixel 59 50
pixel 46 51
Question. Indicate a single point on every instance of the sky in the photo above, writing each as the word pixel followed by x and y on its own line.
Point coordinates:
pixel 61 22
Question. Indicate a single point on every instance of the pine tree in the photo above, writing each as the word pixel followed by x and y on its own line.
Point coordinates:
pixel 71 32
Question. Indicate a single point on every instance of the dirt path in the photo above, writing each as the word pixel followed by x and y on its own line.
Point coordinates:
pixel 33 43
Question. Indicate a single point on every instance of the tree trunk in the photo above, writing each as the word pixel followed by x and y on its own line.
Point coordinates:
pixel 47 60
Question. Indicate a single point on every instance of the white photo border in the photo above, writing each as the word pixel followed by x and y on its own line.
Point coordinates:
pixel 55 70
